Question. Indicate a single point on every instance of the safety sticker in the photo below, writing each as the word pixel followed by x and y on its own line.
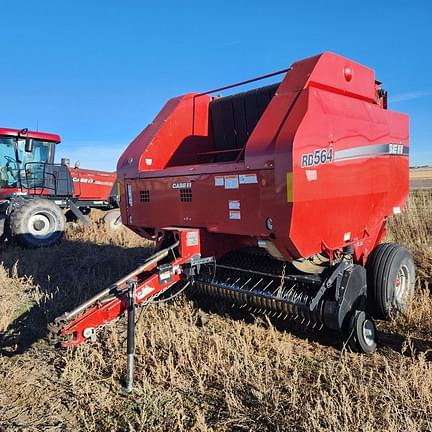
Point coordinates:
pixel 234 205
pixel 192 238
pixel 234 214
pixel 248 178
pixel 219 181
pixel 145 291
pixel 231 182
pixel 311 175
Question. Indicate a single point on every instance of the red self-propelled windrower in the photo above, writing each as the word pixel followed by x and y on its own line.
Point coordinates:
pixel 286 189
pixel 34 191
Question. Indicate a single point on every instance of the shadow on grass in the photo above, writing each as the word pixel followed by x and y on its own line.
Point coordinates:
pixel 386 340
pixel 66 274
pixel 409 347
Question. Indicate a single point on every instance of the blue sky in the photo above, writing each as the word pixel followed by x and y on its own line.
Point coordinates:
pixel 97 72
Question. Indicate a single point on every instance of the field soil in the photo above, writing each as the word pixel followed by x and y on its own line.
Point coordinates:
pixel 202 371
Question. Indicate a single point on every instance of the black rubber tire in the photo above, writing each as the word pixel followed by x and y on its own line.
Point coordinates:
pixel 384 267
pixel 362 336
pixel 23 223
pixel 112 219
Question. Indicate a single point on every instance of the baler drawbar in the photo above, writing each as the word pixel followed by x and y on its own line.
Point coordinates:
pixel 275 199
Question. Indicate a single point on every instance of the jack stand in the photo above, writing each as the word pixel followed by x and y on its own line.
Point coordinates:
pixel 132 284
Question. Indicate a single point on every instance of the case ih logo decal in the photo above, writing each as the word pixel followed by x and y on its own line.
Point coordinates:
pixel 396 149
pixel 83 180
pixel 186 185
pixel 318 157
pixel 91 181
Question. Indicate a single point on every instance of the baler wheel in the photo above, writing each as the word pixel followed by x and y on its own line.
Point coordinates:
pixel 390 279
pixel 362 336
pixel 37 223
pixel 112 219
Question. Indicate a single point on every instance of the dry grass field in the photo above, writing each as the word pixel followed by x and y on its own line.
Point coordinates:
pixel 229 374
pixel 421 178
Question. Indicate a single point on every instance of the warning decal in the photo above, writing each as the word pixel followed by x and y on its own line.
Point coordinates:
pixel 219 181
pixel 248 178
pixel 231 182
pixel 234 214
pixel 234 204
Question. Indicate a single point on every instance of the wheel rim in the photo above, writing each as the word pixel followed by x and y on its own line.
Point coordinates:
pixel 401 287
pixel 40 225
pixel 369 333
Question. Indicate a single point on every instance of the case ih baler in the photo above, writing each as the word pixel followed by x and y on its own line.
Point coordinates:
pixel 34 190
pixel 275 198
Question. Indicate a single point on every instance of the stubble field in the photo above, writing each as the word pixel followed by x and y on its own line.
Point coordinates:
pixel 217 373
pixel 421 178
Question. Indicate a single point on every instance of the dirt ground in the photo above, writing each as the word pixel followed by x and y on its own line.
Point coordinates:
pixel 231 373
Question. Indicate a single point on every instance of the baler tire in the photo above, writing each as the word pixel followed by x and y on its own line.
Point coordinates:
pixel 389 268
pixel 362 336
pixel 23 220
pixel 112 219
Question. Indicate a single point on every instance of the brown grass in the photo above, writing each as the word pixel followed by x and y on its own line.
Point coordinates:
pixel 230 374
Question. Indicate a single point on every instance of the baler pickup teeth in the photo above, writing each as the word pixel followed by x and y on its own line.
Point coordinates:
pixel 324 300
pixel 252 288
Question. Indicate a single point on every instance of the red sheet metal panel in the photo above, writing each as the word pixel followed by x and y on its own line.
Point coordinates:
pixel 92 185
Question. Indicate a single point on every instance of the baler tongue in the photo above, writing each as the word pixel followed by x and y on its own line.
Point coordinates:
pixel 138 288
pixel 81 323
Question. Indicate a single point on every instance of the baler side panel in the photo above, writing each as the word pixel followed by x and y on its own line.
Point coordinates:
pixel 218 209
pixel 346 200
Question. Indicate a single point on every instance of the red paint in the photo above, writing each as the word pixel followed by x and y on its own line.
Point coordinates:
pixel 31 134
pixel 324 102
pixel 92 185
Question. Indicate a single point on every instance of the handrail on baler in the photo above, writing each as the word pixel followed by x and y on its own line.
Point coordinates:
pixel 238 84
pixel 248 81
